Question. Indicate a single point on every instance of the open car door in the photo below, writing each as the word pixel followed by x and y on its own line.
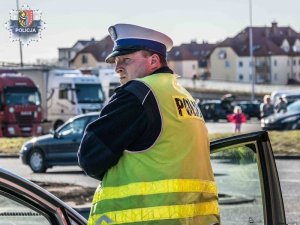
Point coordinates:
pixel 247 180
pixel 24 203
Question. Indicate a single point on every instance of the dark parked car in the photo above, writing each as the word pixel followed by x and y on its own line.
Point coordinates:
pixel 289 120
pixel 245 172
pixel 215 109
pixel 249 108
pixel 57 148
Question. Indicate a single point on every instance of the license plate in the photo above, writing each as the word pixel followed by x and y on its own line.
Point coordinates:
pixel 26 128
pixel 25 113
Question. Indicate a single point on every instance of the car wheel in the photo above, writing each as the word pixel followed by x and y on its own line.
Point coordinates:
pixel 37 161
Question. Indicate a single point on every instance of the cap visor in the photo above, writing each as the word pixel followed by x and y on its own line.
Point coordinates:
pixel 111 57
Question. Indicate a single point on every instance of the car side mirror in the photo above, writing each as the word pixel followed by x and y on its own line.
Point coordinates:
pixel 55 134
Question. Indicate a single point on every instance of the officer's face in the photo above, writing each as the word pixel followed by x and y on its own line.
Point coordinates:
pixel 132 66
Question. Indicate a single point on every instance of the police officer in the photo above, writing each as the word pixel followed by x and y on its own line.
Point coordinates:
pixel 149 147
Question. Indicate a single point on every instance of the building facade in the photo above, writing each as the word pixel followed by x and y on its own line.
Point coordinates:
pixel 276 53
pixel 65 55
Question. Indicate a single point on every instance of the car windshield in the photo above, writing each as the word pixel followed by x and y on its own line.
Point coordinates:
pixel 89 93
pixel 22 96
pixel 294 107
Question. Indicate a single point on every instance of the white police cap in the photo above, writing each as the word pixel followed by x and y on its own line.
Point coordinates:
pixel 130 38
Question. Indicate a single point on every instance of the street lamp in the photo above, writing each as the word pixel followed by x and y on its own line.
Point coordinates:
pixel 20 44
pixel 251 53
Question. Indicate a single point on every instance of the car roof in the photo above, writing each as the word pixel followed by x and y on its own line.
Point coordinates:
pixel 90 114
pixel 211 101
pixel 86 114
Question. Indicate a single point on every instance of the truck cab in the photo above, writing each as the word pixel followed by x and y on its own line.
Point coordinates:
pixel 110 81
pixel 73 94
pixel 20 106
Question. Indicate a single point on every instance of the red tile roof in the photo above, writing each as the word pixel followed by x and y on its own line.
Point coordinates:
pixel 266 41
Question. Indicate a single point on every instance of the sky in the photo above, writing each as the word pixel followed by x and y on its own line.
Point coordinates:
pixel 199 20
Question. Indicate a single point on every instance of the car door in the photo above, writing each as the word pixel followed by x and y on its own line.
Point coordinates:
pixel 63 149
pixel 23 203
pixel 247 180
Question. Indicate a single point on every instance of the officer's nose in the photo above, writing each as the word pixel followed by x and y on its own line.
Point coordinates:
pixel 119 69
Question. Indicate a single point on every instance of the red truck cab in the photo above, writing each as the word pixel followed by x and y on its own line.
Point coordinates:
pixel 20 106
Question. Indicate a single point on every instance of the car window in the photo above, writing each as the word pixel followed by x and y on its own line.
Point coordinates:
pixel 294 107
pixel 16 213
pixel 238 179
pixel 93 118
pixel 75 127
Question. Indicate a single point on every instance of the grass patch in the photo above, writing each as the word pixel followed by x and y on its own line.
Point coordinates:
pixel 283 142
pixel 12 145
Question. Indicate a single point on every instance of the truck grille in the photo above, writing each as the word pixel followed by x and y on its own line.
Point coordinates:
pixel 24 119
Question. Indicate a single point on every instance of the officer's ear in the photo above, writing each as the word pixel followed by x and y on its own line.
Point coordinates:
pixel 155 61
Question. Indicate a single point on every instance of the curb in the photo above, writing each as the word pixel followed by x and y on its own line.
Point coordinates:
pixel 3 155
pixel 287 156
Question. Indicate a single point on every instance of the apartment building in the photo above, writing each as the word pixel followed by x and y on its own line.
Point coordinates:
pixel 276 56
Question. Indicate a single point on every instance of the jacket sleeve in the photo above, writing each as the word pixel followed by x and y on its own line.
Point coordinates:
pixel 94 157
pixel 121 122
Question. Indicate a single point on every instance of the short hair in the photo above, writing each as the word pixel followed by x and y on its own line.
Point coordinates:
pixel 162 59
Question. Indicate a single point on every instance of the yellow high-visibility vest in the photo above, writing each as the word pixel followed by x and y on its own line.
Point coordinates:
pixel 172 182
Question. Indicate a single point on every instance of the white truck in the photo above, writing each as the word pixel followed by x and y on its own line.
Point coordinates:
pixel 65 93
pixel 109 80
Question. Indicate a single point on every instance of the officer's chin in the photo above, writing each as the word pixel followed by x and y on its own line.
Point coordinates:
pixel 123 81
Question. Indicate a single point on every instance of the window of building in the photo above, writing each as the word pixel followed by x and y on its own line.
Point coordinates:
pixel 250 77
pixel 296 48
pixel 275 76
pixel 240 64
pixel 227 64
pixel 299 75
pixel 288 62
pixel 275 62
pixel 222 54
pixel 241 77
pixel 299 62
pixel 84 59
pixel 286 48
pixel 193 66
pixel 294 62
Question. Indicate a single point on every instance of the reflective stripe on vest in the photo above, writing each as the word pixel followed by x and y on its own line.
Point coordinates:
pixel 155 187
pixel 156 213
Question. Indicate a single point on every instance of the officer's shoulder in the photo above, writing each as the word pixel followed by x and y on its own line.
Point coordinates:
pixel 137 88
